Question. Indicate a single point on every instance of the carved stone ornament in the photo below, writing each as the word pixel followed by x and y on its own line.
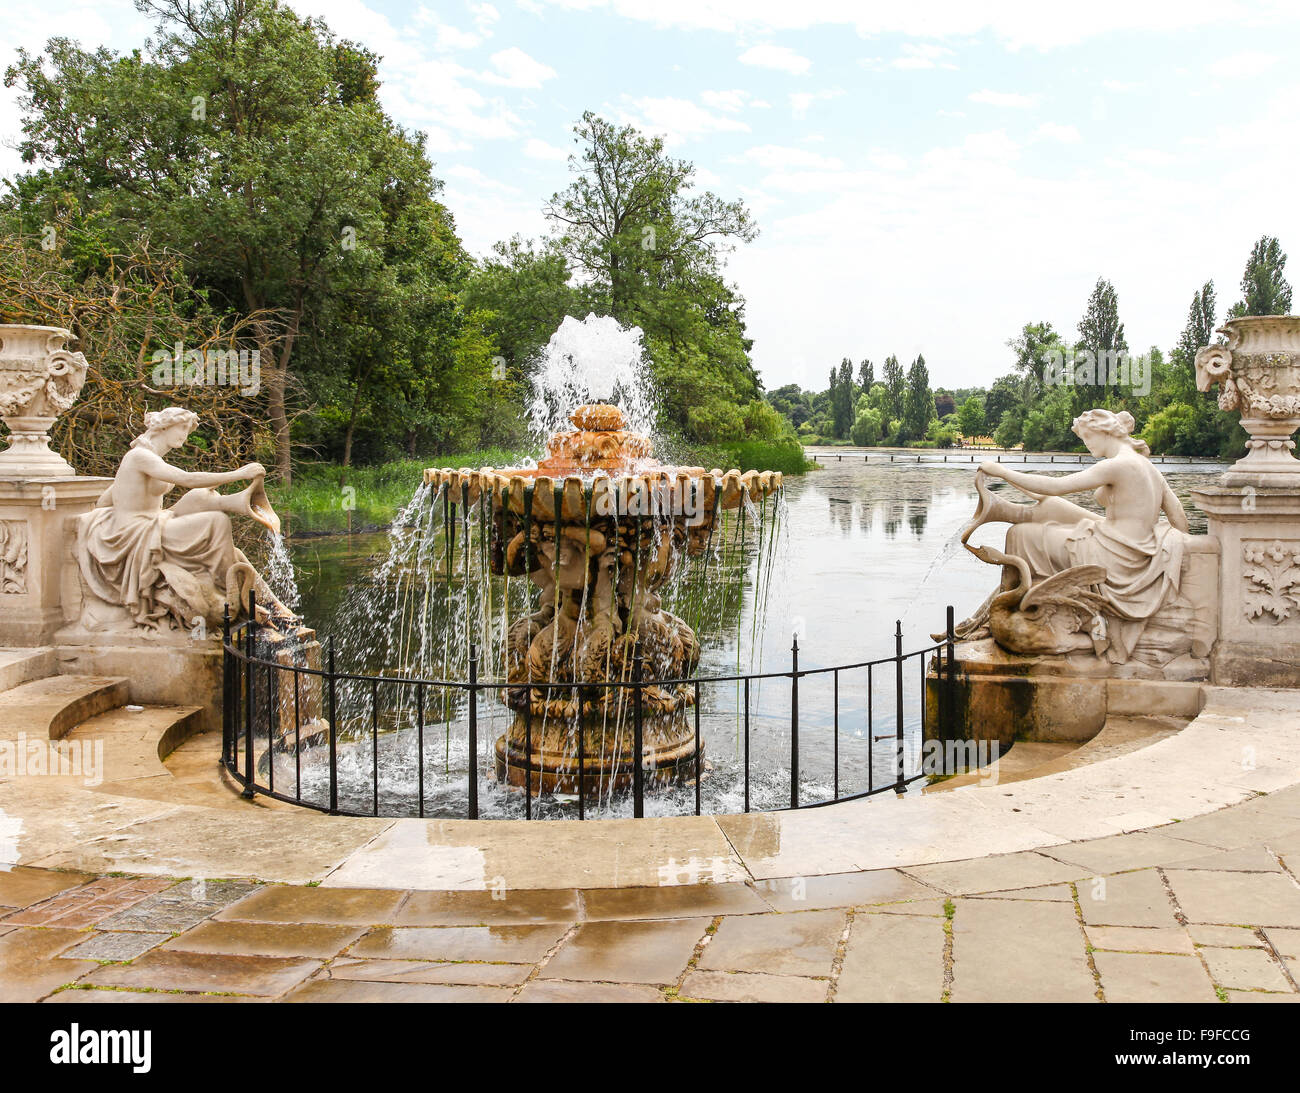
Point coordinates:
pixel 1271 571
pixel 39 380
pixel 1258 370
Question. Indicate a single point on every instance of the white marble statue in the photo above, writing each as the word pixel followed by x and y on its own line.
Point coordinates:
pixel 1074 580
pixel 146 567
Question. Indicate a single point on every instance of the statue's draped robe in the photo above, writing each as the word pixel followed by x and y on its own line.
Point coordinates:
pixel 1142 576
pixel 156 564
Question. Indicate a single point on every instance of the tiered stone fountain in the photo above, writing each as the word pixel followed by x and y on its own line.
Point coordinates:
pixel 599 526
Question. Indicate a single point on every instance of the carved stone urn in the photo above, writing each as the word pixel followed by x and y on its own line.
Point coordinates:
pixel 1258 370
pixel 39 379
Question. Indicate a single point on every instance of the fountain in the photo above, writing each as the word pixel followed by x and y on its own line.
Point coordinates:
pixel 599 527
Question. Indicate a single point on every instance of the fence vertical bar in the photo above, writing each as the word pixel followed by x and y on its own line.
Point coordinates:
pixel 698 764
pixel 419 742
pixel 582 756
pixel 835 746
pixel 227 675
pixel 334 734
pixel 473 731
pixel 249 639
pixel 871 730
pixel 528 749
pixel 297 739
pixel 638 737
pixel 794 723
pixel 374 744
pixel 898 706
pixel 747 743
pixel 949 715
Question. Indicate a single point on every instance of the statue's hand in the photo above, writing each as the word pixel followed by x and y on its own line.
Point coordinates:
pixel 251 470
pixel 992 468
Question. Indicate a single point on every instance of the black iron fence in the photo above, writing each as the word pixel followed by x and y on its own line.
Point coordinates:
pixel 279 707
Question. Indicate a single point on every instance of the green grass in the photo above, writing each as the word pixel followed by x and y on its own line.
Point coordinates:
pixel 326 497
pixel 330 497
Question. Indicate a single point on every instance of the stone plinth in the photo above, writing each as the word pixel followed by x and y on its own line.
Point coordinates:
pixel 1258 528
pixel 169 670
pixel 1007 697
pixel 38 573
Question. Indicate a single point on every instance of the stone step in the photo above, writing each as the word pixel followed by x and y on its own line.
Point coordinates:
pixel 18 666
pixel 1120 735
pixel 48 708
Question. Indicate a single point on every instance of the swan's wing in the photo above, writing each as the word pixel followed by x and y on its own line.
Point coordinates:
pixel 1073 587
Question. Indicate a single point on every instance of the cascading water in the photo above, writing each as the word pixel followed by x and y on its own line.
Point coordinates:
pixel 556 573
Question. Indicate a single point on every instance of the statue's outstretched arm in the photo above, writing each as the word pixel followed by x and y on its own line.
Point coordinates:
pixel 156 467
pixel 1047 485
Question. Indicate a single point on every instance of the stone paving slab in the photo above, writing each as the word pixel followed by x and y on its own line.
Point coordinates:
pixel 1030 951
pixel 1126 899
pixel 841 890
pixel 893 958
pixel 749 987
pixel 267 939
pixel 559 990
pixel 1244 899
pixel 799 943
pixel 502 944
pixel 1227 937
pixel 115 945
pixel 114 996
pixel 423 971
pixel 1148 977
pixel 1141 939
pixel 505 908
pixel 209 972
pixel 628 952
pixel 29 969
pixel 89 904
pixel 1246 969
pixel 345 990
pixel 180 906
pixel 1008 871
pixel 672 901
pixel 332 906
pixel 22 886
pixel 1136 850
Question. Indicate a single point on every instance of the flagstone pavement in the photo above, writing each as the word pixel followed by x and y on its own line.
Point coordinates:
pixel 1203 910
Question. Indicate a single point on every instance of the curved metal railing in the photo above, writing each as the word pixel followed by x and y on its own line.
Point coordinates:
pixel 268 700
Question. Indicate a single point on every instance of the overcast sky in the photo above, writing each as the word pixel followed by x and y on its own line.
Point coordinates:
pixel 927 177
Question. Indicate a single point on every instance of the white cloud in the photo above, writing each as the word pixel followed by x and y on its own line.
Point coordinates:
pixel 539 149
pixel 1017 24
pixel 802 101
pixel 678 120
pixel 914 55
pixel 514 68
pixel 1003 98
pixel 776 157
pixel 730 101
pixel 1120 85
pixel 781 58
pixel 1242 65
pixel 1065 134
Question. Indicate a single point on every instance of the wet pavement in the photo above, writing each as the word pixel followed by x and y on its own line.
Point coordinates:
pixel 1204 910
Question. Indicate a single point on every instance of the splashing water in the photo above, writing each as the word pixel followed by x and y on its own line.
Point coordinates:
pixel 592 360
pixel 280 573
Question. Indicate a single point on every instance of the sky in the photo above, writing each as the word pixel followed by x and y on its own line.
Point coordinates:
pixel 926 177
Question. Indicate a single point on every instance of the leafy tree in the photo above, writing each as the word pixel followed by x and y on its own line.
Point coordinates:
pixel 918 402
pixel 1033 349
pixel 1100 333
pixel 895 382
pixel 844 396
pixel 1264 289
pixel 251 142
pixel 970 417
pixel 867 427
pixel 866 375
pixel 651 254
